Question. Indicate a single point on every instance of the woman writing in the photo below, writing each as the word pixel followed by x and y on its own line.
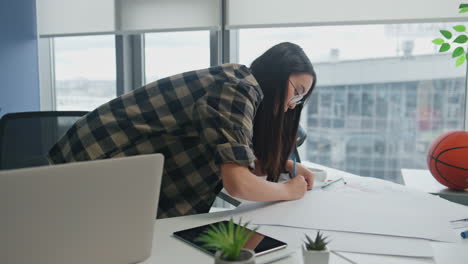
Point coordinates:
pixel 217 127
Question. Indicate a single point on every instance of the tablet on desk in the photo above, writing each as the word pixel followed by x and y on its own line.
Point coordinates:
pixel 259 243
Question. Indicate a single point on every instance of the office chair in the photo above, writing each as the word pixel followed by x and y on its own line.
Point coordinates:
pixel 25 138
pixel 301 137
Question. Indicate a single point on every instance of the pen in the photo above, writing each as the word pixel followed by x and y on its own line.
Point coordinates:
pixel 330 183
pixel 294 168
pixel 464 234
pixel 460 220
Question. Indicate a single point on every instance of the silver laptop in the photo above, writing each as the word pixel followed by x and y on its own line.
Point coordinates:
pixel 86 212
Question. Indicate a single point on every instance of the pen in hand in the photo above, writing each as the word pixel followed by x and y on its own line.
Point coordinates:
pixel 294 175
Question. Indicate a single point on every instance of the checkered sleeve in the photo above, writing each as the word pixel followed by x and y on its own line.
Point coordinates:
pixel 226 122
pixel 69 146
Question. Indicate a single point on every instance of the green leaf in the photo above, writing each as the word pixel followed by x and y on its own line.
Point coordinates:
pixel 460 28
pixel 447 34
pixel 460 60
pixel 458 51
pixel 438 41
pixel 461 39
pixel 463 8
pixel 444 47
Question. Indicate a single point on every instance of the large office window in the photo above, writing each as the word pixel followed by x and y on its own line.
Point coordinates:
pixel 383 95
pixel 170 53
pixel 85 71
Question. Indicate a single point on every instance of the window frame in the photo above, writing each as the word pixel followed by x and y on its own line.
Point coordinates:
pixel 224 48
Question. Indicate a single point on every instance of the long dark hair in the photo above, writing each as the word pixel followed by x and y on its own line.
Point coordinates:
pixel 274 131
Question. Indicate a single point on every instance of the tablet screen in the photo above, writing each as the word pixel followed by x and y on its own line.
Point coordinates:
pixel 258 242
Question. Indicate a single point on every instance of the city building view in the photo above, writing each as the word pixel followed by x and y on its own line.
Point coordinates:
pixel 387 119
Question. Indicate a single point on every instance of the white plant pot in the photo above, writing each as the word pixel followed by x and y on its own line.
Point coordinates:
pixel 246 256
pixel 316 257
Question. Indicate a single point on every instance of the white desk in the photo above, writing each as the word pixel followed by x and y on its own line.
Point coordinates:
pixel 424 181
pixel 167 249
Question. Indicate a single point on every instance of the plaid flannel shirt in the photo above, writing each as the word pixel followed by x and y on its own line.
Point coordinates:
pixel 197 120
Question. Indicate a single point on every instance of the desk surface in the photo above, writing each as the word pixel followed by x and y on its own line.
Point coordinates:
pixel 167 249
pixel 424 181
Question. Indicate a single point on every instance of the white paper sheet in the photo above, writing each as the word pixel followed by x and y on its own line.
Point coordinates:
pixel 356 184
pixel 450 253
pixel 386 214
pixel 354 242
pixel 373 259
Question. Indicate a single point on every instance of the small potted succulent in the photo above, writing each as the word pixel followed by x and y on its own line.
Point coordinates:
pixel 316 251
pixel 228 241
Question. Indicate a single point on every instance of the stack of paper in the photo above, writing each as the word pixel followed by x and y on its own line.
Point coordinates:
pixel 386 214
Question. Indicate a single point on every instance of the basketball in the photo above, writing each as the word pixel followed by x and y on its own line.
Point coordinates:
pixel 448 159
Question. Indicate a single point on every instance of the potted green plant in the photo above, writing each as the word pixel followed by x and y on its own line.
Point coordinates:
pixel 316 251
pixel 228 241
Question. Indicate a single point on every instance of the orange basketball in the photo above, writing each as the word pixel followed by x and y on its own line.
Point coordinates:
pixel 448 159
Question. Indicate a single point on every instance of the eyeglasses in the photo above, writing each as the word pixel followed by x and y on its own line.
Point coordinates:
pixel 297 98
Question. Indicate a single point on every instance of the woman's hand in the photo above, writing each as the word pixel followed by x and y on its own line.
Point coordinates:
pixel 308 175
pixel 296 187
pixel 240 182
pixel 301 170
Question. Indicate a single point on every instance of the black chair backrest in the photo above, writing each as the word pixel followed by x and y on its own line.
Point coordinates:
pixel 301 137
pixel 25 138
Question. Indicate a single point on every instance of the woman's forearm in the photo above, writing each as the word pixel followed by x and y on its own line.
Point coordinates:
pixel 241 183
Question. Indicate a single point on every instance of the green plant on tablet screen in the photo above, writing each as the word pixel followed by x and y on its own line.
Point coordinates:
pixel 229 238
pixel 455 41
